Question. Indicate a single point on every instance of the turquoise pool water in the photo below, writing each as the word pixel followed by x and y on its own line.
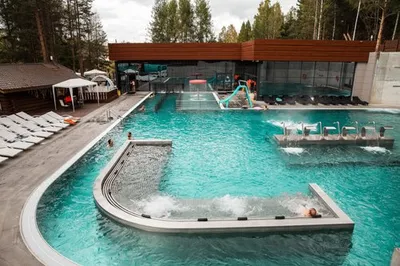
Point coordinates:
pixel 231 154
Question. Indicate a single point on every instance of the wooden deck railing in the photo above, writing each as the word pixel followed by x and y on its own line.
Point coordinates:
pixel 104 97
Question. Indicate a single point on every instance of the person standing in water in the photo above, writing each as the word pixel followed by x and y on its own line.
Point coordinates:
pixel 129 135
pixel 110 143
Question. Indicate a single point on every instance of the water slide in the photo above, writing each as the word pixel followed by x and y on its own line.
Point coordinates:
pixel 242 85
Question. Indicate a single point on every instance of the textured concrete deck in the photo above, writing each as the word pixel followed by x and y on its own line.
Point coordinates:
pixel 21 175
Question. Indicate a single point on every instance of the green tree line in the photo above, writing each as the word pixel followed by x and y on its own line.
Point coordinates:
pixel 66 31
pixel 181 21
pixel 186 21
pixel 320 20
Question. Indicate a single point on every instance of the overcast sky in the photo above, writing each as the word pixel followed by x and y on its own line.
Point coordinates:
pixel 127 20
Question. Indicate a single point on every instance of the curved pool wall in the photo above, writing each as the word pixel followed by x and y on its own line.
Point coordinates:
pixel 30 233
pixel 362 181
pixel 105 201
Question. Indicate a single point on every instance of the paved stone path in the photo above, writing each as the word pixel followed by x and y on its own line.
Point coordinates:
pixel 20 176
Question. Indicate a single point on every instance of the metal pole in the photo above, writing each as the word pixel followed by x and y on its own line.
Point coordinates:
pixel 54 97
pixel 355 25
pixel 395 25
pixel 98 96
pixel 72 99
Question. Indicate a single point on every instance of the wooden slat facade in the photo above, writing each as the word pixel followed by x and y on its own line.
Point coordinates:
pixel 263 50
pixel 174 51
pixel 391 46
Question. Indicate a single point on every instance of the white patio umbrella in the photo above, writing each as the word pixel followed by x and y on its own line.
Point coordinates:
pixel 110 85
pixel 71 84
pixel 94 72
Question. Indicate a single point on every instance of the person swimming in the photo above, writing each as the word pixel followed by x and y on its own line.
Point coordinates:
pixel 310 212
pixel 110 143
pixel 142 108
pixel 129 135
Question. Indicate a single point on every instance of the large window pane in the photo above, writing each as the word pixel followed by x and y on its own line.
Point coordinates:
pixel 334 75
pixel 307 73
pixel 321 74
pixel 281 72
pixel 294 73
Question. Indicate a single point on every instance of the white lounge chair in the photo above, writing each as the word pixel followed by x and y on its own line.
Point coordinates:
pixel 32 126
pixel 26 133
pixel 61 118
pixel 52 120
pixel 16 119
pixel 40 121
pixel 13 120
pixel 6 122
pixel 12 137
pixel 2 159
pixel 15 145
pixel 7 152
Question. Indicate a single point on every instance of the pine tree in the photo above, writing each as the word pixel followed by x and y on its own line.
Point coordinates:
pixel 159 21
pixel 276 20
pixel 32 31
pixel 243 33
pixel 203 23
pixel 268 21
pixel 249 31
pixel 187 27
pixel 172 31
pixel 222 34
pixel 289 26
pixel 305 19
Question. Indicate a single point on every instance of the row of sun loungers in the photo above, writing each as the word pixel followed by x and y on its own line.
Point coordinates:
pixel 19 132
pixel 313 100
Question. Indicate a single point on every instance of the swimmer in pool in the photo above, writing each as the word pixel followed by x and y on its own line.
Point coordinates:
pixel 110 143
pixel 129 135
pixel 142 109
pixel 310 212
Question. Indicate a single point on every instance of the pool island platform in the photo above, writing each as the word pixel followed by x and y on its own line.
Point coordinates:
pixel 109 205
pixel 334 139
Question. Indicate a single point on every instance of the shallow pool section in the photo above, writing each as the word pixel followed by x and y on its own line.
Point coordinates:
pixel 130 180
pixel 231 155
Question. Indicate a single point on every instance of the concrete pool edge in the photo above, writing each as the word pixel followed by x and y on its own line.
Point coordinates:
pixel 112 209
pixel 30 232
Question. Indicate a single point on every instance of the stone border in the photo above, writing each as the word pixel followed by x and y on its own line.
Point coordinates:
pixel 30 233
pixel 112 209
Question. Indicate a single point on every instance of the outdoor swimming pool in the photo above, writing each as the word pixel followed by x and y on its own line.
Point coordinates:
pixel 231 155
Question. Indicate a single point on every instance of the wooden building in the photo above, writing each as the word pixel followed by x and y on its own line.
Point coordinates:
pixel 272 63
pixel 27 87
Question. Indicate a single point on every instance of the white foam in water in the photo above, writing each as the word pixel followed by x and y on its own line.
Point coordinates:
pixel 298 126
pixel 160 206
pixel 300 204
pixel 384 110
pixel 293 150
pixel 234 205
pixel 375 149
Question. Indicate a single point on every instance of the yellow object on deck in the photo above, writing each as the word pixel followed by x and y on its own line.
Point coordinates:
pixel 119 93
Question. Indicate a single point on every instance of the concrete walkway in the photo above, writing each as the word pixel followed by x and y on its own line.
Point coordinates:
pixel 20 176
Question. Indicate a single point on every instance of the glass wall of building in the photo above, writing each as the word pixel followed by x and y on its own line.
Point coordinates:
pixel 306 78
